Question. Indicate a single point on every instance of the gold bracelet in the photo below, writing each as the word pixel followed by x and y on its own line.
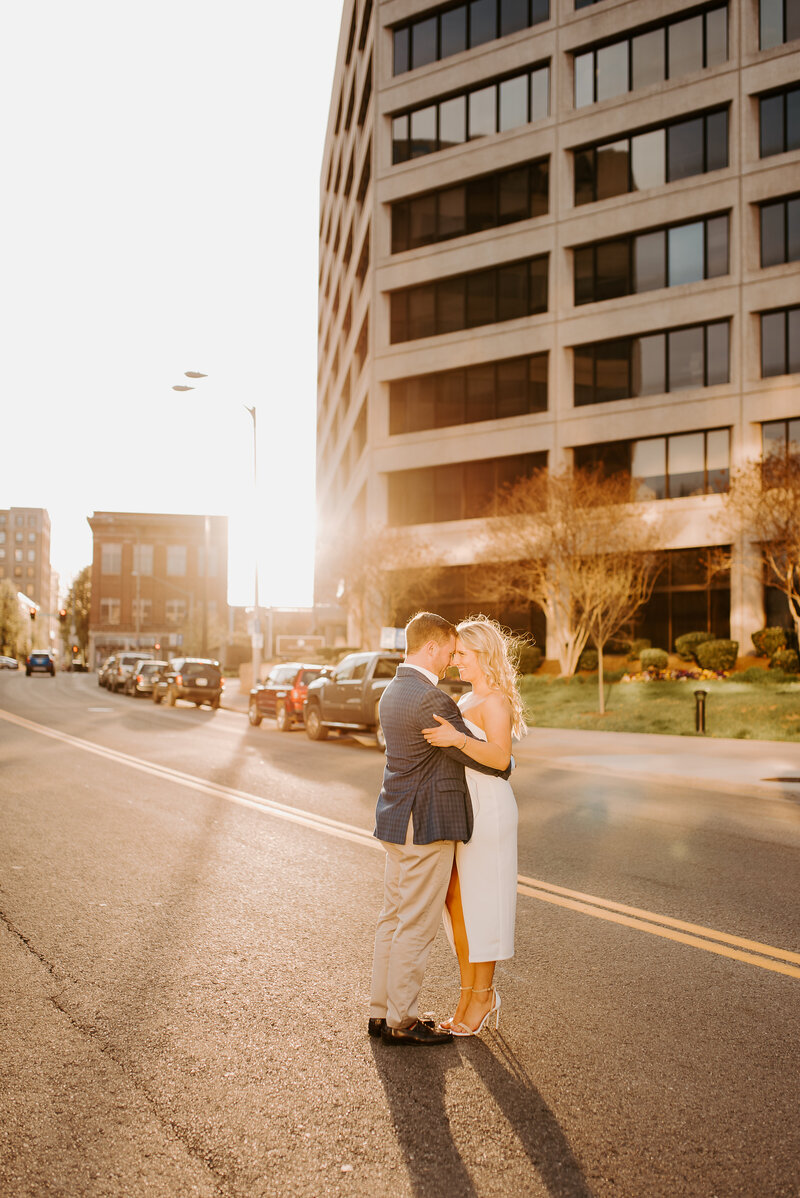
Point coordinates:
pixel 463 747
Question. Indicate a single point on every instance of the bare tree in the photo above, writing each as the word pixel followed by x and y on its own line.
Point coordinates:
pixel 577 545
pixel 79 600
pixel 381 575
pixel 764 505
pixel 11 622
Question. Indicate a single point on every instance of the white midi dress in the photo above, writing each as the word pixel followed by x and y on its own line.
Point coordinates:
pixel 487 864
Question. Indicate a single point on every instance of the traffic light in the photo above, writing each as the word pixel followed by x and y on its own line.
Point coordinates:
pixel 62 616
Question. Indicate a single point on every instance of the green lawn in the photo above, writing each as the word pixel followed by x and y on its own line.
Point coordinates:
pixel 735 709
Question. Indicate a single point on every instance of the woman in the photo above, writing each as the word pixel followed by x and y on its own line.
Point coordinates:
pixel 482 896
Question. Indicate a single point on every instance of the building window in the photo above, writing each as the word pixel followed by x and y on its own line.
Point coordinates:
pixel 19 537
pixel 110 612
pixel 17 555
pixel 2 538
pixel 669 51
pixel 141 610
pixel 780 437
pixel 457 491
pixel 176 560
pixel 452 30
pixel 470 207
pixel 685 253
pixel 110 559
pixel 490 108
pixel 469 301
pixel 780 342
pixel 780 231
pixel 779 116
pixel 491 391
pixel 143 559
pixel 31 538
pixel 652 364
pixel 175 610
pixel 778 22
pixel 690 595
pixel 682 464
pixel 31 555
pixel 652 157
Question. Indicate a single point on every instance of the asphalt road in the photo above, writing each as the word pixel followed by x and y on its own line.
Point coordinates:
pixel 186 915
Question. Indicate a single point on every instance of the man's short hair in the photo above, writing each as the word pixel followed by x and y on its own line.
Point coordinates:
pixel 427 626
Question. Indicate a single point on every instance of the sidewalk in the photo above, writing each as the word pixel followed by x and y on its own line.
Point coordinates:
pixel 760 768
pixel 763 768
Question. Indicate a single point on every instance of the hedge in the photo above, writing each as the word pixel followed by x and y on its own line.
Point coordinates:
pixel 686 645
pixel 767 641
pixel 588 660
pixel 640 643
pixel 717 655
pixel 786 660
pixel 530 658
pixel 654 659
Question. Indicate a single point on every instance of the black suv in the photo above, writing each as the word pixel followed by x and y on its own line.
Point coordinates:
pixel 198 679
pixel 41 661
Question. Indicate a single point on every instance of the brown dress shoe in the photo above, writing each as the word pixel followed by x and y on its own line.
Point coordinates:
pixel 376 1025
pixel 419 1034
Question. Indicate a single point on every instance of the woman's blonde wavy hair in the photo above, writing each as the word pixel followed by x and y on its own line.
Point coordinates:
pixel 497 652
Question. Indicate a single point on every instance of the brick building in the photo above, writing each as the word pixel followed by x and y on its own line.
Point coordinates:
pixel 159 583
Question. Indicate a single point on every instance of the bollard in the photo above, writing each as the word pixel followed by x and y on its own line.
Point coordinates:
pixel 700 711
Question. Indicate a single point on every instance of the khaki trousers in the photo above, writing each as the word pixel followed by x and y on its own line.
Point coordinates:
pixel 415 886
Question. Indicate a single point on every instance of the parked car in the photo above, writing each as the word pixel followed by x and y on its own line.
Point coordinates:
pixel 283 694
pixel 198 679
pixel 106 670
pixel 9 663
pixel 142 679
pixel 346 698
pixel 41 661
pixel 123 667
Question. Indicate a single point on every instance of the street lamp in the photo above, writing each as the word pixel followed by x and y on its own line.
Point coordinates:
pixel 257 639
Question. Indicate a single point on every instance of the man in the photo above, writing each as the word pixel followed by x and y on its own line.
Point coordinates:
pixel 423 809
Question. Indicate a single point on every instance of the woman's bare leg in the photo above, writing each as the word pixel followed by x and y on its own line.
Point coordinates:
pixel 465 967
pixel 481 999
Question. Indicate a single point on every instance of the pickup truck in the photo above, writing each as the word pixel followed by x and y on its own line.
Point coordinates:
pixel 346 697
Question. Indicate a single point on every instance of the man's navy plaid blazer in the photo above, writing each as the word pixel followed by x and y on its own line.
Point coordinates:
pixel 418 777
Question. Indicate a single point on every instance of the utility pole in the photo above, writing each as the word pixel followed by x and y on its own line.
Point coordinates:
pixel 257 638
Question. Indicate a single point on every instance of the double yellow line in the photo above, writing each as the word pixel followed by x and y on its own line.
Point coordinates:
pixel 777 960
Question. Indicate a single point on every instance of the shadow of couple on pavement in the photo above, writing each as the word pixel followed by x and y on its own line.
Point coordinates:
pixel 415 1084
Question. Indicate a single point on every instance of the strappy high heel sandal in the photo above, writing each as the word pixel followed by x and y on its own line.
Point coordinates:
pixel 447 1025
pixel 461 1029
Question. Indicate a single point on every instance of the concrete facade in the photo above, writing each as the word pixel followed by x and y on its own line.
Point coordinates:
pixel 358 271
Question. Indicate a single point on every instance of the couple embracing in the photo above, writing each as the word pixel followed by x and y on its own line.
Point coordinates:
pixel 447 818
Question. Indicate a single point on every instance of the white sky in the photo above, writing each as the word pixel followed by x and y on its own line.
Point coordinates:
pixel 160 213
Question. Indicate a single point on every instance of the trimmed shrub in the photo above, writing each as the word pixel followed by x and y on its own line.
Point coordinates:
pixel 686 645
pixel 717 655
pixel 640 643
pixel 530 658
pixel 654 659
pixel 767 641
pixel 588 660
pixel 786 660
pixel 754 674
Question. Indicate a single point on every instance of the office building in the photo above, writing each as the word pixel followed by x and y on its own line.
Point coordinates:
pixel 560 233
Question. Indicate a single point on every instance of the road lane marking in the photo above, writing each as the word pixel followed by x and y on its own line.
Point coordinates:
pixel 321 823
pixel 642 925
pixel 652 917
pixel 737 948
